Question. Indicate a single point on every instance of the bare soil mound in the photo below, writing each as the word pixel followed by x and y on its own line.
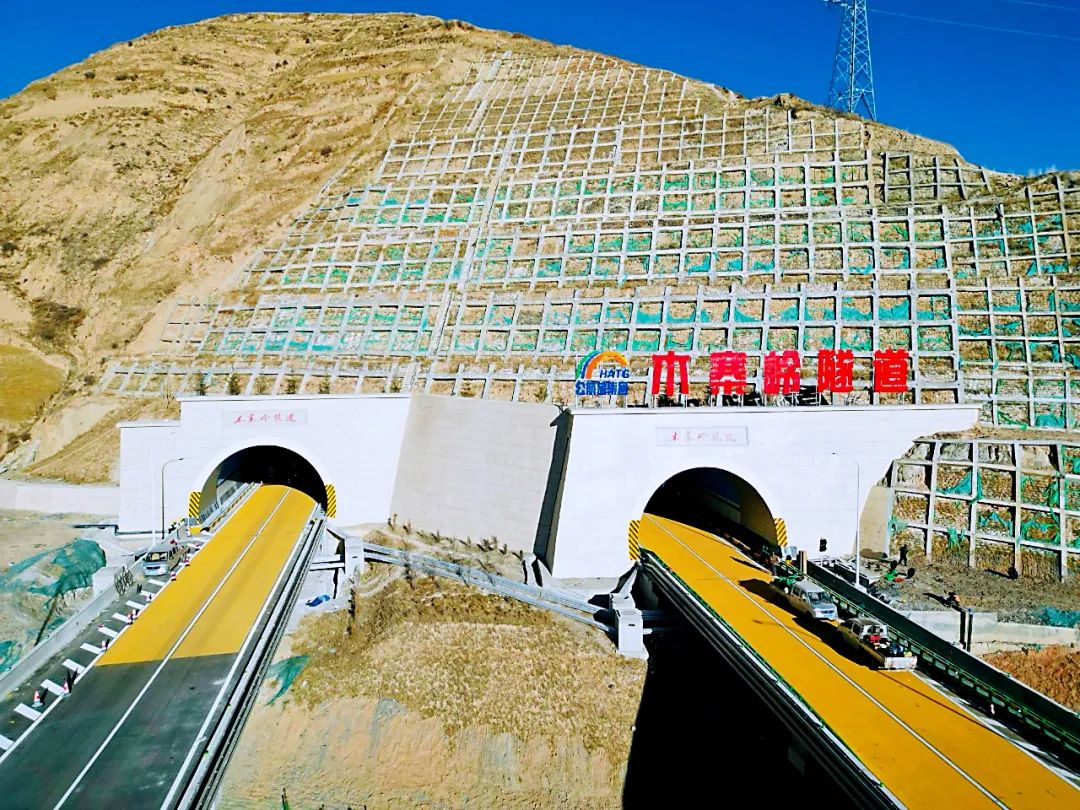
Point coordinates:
pixel 440 695
pixel 1054 671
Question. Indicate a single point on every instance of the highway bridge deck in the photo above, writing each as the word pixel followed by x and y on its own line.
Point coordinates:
pixel 927 750
pixel 122 737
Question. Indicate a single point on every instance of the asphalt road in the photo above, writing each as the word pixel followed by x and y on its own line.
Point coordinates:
pixel 121 738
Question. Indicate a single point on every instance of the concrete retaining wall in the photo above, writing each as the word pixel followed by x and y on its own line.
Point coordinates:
pixel 946 624
pixel 59 498
pixel 475 468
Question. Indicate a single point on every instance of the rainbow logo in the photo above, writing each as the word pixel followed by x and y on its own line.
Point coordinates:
pixel 591 362
pixel 603 374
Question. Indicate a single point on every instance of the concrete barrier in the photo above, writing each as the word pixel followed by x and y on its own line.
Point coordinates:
pixel 988 628
pixel 57 497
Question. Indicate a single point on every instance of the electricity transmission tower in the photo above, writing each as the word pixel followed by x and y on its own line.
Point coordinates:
pixel 852 86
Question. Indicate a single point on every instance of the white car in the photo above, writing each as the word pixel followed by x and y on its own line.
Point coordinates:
pixel 809 597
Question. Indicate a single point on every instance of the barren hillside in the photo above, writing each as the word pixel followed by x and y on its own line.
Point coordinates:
pixel 151 170
pixel 149 173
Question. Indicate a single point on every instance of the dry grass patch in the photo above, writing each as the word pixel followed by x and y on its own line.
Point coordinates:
pixel 26 382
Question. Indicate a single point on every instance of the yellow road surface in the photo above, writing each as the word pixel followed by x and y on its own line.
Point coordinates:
pixel 928 751
pixel 277 514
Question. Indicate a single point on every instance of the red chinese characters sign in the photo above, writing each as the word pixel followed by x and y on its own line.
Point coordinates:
pixel 265 418
pixel 781 372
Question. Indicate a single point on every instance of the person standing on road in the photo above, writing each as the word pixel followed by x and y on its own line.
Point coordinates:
pixel 903 555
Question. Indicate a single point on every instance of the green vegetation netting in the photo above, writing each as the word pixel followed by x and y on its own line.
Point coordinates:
pixel 284 672
pixel 31 592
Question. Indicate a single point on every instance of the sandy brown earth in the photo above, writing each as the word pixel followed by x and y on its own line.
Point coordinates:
pixel 23 534
pixel 1054 671
pixel 149 173
pixel 153 169
pixel 1020 600
pixel 439 696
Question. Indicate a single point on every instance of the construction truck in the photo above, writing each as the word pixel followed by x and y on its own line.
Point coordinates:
pixel 871 637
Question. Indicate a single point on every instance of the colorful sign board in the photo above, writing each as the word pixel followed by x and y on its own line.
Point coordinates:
pixel 603 373
pixel 781 372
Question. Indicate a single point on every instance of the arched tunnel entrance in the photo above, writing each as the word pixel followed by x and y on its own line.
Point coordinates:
pixel 264 464
pixel 716 501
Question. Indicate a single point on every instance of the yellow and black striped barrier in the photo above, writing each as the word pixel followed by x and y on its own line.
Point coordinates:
pixel 331 501
pixel 193 503
pixel 635 543
pixel 781 532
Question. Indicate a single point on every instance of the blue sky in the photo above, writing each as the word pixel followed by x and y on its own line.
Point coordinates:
pixel 1005 99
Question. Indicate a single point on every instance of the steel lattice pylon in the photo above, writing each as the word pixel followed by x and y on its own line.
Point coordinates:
pixel 852 86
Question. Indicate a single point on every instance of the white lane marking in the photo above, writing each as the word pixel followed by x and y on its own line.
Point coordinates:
pixel 107 631
pixel 90 648
pixel 5 743
pixel 52 687
pixel 135 605
pixel 74 666
pixel 168 655
pixel 26 711
pixel 157 582
pixel 839 672
pixel 120 618
pixel 201 736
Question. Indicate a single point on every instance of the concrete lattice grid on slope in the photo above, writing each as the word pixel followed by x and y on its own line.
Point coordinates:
pixel 547 207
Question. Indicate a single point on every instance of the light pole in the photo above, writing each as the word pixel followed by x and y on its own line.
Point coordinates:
pixel 163 466
pixel 858 503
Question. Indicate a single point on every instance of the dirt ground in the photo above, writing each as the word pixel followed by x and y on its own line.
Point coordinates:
pixel 437 695
pixel 25 533
pixel 1054 671
pixel 1020 600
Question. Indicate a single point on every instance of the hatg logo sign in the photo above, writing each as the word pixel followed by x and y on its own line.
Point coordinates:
pixel 603 374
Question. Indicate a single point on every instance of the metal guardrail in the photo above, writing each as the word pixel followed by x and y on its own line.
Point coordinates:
pixel 66 633
pixel 1051 720
pixel 816 740
pixel 222 507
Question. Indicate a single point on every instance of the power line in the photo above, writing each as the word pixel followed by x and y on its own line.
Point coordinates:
pixel 1040 5
pixel 975 25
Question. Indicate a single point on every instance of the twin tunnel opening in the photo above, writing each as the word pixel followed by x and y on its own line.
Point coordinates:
pixel 706 498
pixel 264 464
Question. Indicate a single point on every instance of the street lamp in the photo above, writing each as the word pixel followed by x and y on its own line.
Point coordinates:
pixel 163 466
pixel 858 503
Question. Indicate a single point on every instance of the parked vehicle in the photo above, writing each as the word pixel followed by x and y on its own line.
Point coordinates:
pixel 807 597
pixel 163 558
pixel 872 638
